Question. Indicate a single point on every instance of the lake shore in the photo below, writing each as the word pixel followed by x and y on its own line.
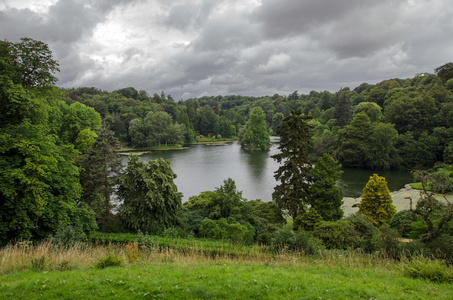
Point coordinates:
pixel 400 200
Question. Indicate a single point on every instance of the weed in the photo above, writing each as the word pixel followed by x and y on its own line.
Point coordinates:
pixel 132 252
pixel 111 260
pixel 434 270
pixel 38 263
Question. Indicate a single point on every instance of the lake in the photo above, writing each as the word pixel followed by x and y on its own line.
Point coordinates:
pixel 204 167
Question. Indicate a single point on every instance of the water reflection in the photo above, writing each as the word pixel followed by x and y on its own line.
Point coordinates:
pixel 205 167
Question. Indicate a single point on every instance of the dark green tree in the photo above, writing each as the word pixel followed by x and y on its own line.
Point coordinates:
pixel 292 194
pixel 101 166
pixel 445 72
pixel 325 196
pixel 151 199
pixel 343 109
pixel 256 135
pixel 32 63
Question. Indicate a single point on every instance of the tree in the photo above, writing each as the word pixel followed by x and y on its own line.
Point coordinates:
pixel 101 166
pixel 256 135
pixel 325 196
pixel 32 63
pixel 151 199
pixel 376 201
pixel 292 193
pixel 343 109
pixel 371 109
pixel 39 186
pixel 445 72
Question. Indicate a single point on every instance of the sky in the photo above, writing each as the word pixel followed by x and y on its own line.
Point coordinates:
pixel 195 48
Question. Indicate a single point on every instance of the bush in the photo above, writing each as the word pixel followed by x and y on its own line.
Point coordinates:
pixel 285 238
pixel 308 220
pixel 337 234
pixel 402 221
pixel 69 234
pixel 362 225
pixel 227 230
pixel 111 260
pixel 433 270
pixel 387 241
pixel 441 248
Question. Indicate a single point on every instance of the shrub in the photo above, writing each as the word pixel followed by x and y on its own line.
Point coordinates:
pixel 362 225
pixel 69 234
pixel 308 220
pixel 433 270
pixel 387 241
pixel 285 238
pixel 111 260
pixel 402 221
pixel 227 230
pixel 337 234
pixel 441 248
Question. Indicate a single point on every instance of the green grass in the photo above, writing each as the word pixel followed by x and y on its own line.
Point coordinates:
pixel 221 280
pixel 179 269
pixel 418 186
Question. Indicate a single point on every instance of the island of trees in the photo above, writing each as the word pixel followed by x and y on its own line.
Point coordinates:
pixel 59 166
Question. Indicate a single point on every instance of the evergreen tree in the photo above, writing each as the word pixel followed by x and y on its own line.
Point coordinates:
pixel 292 193
pixel 325 196
pixel 256 135
pixel 376 201
pixel 101 166
pixel 151 199
pixel 343 109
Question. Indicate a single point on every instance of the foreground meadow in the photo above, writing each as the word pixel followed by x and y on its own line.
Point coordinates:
pixel 130 271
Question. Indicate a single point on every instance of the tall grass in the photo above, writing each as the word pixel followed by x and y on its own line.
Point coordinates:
pixel 48 256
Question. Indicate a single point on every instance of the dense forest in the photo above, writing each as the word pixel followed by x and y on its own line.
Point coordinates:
pixel 394 124
pixel 59 165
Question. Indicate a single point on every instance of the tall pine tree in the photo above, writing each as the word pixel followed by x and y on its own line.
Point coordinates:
pixel 292 194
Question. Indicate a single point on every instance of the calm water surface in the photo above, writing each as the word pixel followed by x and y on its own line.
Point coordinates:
pixel 205 167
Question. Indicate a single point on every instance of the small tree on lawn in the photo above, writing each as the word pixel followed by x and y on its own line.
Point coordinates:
pixel 376 201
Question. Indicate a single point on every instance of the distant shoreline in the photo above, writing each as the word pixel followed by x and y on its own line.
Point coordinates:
pixel 399 200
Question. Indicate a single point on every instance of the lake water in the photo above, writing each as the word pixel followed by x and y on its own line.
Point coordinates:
pixel 204 167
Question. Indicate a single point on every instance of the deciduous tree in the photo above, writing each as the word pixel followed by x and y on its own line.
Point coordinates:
pixel 151 198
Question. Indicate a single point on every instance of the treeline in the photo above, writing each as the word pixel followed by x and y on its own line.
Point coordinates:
pixel 395 124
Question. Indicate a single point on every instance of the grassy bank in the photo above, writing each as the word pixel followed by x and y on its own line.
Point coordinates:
pixel 51 271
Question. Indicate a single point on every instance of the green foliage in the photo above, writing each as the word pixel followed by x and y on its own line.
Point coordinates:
pixel 308 220
pixel 151 199
pixel 223 229
pixel 256 135
pixel 371 109
pixel 111 260
pixel 445 72
pixel 402 220
pixel 387 241
pixel 101 166
pixel 376 201
pixel 69 234
pixel 292 193
pixel 325 196
pixel 285 238
pixel 434 270
pixel 32 63
pixel 337 234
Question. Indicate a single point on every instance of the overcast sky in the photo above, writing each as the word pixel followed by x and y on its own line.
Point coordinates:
pixel 193 48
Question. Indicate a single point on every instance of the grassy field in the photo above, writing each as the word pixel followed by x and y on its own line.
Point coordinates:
pixel 81 272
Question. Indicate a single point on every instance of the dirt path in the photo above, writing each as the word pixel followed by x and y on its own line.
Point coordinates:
pixel 398 197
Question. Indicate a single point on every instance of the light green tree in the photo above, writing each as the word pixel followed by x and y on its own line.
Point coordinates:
pixel 376 201
pixel 256 135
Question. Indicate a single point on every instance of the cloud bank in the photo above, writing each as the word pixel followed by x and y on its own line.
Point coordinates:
pixel 193 48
